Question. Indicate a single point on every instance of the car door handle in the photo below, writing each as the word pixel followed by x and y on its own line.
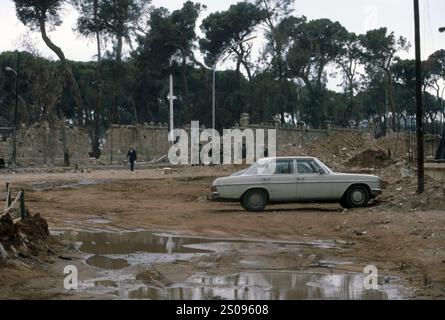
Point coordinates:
pixel 267 179
pixel 300 179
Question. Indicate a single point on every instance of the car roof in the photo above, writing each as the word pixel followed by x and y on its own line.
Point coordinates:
pixel 290 158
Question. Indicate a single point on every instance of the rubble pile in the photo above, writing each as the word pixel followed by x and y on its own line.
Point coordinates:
pixel 25 239
pixel 370 159
pixel 336 149
pixel 385 157
pixel 402 196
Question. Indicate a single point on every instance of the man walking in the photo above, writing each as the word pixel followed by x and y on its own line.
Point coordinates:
pixel 132 156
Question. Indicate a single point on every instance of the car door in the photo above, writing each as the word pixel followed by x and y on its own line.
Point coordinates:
pixel 312 185
pixel 280 179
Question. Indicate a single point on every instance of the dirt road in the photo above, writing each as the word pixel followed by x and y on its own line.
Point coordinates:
pixel 409 245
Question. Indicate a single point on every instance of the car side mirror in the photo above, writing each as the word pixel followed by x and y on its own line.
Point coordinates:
pixel 321 171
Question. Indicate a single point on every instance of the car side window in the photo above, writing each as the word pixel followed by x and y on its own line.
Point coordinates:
pixel 284 167
pixel 307 166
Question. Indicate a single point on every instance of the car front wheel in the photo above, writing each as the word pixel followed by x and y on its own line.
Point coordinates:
pixel 254 200
pixel 356 196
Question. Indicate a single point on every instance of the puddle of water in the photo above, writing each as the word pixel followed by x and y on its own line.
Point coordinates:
pixel 118 250
pixel 120 254
pixel 50 185
pixel 105 283
pixel 268 286
pixel 103 243
pixel 107 263
pixel 98 221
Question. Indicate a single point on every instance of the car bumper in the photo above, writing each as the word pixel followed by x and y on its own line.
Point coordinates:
pixel 375 192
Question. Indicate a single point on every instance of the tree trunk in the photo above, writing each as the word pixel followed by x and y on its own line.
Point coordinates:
pixel 74 87
pixel 117 80
pixel 66 153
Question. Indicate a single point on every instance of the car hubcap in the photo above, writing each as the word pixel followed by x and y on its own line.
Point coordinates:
pixel 358 196
pixel 255 200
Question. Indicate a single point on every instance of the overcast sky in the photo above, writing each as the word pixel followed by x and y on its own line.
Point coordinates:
pixel 355 15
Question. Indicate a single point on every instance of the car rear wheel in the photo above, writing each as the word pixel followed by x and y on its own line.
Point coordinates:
pixel 254 200
pixel 355 196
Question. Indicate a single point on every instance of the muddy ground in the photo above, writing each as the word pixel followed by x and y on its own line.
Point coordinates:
pixel 404 243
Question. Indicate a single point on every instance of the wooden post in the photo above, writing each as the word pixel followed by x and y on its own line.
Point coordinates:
pixel 22 205
pixel 8 196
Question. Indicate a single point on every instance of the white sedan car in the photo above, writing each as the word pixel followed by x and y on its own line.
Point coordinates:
pixel 295 179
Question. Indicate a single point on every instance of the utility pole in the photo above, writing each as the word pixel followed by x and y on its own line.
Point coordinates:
pixel 419 110
pixel 171 97
pixel 213 98
pixel 440 154
pixel 16 107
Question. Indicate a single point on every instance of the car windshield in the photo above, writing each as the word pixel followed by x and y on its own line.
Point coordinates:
pixel 256 168
pixel 325 167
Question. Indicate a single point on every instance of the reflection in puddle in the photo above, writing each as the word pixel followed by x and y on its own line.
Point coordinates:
pixel 112 250
pixel 268 286
pixel 107 263
pixel 102 243
pixel 105 283
pixel 121 255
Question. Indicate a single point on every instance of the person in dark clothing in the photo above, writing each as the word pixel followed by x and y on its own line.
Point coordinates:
pixel 132 156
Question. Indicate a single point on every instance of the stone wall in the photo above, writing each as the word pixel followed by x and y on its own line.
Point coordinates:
pixel 41 144
pixel 150 142
pixel 297 136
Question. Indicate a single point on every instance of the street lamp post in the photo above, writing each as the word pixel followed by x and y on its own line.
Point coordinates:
pixel 14 136
pixel 213 98
pixel 218 59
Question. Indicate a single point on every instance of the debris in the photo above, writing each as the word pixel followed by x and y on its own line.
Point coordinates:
pixel 65 258
pixel 406 173
pixel 370 159
pixel 358 232
pixel 3 254
pixel 24 238
pixel 202 199
pixel 167 170
pixel 24 251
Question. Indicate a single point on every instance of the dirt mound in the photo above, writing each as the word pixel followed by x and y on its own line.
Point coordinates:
pixel 35 228
pixel 370 159
pixel 398 144
pixel 334 150
pixel 341 143
pixel 7 228
pixel 24 238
